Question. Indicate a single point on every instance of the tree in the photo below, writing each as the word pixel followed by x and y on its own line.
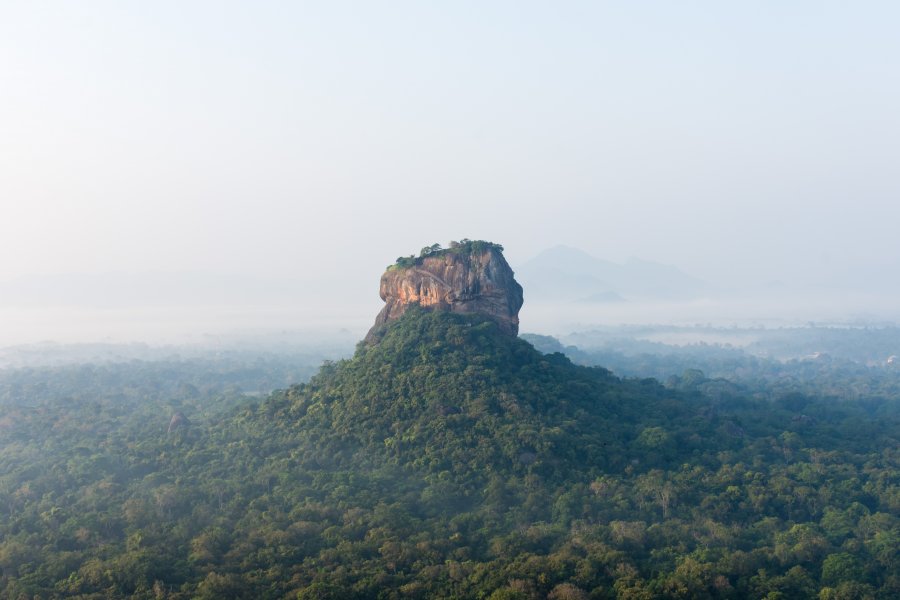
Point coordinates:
pixel 427 250
pixel 840 567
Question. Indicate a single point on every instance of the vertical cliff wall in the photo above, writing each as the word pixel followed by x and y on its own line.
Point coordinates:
pixel 473 277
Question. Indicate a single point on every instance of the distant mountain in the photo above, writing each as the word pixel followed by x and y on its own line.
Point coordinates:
pixel 568 274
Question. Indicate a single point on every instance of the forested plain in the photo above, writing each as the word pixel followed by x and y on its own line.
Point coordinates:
pixel 450 461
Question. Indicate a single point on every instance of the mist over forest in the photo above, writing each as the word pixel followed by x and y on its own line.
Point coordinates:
pixel 653 436
pixel 246 351
pixel 760 463
pixel 567 290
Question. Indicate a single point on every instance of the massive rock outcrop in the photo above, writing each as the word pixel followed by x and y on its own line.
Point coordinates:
pixel 468 277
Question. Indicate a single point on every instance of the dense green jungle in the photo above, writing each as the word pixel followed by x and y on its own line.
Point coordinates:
pixel 447 460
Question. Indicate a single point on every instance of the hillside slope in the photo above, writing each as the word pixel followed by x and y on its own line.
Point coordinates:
pixel 452 460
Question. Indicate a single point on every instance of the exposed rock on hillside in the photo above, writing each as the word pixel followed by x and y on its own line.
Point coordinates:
pixel 468 277
pixel 178 421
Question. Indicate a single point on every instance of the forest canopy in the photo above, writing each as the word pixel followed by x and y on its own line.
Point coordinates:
pixel 445 461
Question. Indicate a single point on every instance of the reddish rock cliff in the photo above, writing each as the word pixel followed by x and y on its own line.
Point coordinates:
pixel 472 277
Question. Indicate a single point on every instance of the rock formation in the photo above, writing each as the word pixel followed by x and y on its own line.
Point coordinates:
pixel 468 277
pixel 178 421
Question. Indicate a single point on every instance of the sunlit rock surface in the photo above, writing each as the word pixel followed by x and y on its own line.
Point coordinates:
pixel 472 277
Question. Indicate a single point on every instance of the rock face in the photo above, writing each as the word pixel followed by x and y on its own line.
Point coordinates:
pixel 178 421
pixel 472 277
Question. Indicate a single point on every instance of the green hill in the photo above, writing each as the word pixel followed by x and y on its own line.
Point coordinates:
pixel 449 460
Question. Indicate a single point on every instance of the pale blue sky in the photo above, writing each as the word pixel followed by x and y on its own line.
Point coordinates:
pixel 753 140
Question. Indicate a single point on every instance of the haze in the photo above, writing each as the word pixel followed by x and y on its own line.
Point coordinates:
pixel 283 153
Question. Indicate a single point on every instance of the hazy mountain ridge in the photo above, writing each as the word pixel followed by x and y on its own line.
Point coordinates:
pixel 563 273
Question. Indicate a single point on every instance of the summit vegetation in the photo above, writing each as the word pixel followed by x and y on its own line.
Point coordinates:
pixel 448 460
pixel 462 247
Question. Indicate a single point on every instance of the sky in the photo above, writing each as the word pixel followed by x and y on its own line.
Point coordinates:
pixel 317 141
